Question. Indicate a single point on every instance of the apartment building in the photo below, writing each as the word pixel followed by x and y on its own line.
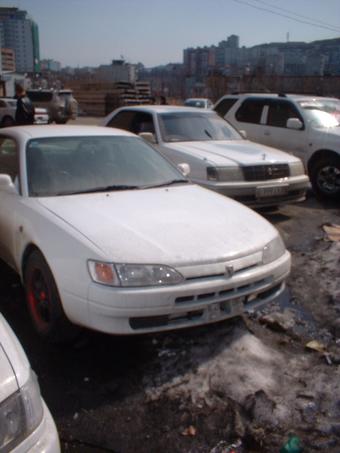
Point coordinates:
pixel 20 33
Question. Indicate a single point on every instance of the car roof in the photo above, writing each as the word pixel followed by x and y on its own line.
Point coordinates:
pixel 28 132
pixel 165 109
pixel 196 99
pixel 293 96
pixel 41 90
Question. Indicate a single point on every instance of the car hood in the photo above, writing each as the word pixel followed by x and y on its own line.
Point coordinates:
pixel 232 152
pixel 14 366
pixel 176 225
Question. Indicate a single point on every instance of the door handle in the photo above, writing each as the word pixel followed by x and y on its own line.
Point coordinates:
pixel 266 133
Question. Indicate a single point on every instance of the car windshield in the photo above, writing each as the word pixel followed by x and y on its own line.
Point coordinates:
pixel 195 103
pixel 331 106
pixel 319 118
pixel 192 126
pixel 70 165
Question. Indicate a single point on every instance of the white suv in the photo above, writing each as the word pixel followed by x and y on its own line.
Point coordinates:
pixel 307 126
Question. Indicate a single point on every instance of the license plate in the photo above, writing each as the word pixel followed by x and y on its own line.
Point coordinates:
pixel 271 191
pixel 233 306
pixel 214 311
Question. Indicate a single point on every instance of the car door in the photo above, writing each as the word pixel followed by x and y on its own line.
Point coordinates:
pixel 276 132
pixel 9 200
pixel 133 121
pixel 249 118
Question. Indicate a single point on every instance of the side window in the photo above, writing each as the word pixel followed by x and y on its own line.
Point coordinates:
pixel 279 112
pixel 250 111
pixel 123 120
pixel 143 122
pixel 9 161
pixel 223 107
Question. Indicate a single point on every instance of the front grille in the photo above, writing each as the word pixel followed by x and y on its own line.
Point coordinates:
pixel 238 271
pixel 265 172
pixel 222 294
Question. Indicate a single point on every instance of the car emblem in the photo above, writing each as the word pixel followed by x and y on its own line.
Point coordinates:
pixel 229 270
pixel 270 171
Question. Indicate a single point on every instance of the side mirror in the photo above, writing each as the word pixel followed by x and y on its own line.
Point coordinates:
pixel 6 184
pixel 243 133
pixel 148 136
pixel 184 169
pixel 294 123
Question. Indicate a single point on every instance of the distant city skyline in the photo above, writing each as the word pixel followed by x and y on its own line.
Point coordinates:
pixel 155 32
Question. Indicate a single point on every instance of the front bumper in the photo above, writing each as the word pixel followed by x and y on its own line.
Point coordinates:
pixel 262 193
pixel 196 301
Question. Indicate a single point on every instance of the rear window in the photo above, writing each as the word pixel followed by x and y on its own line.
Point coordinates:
pixel 223 107
pixel 40 96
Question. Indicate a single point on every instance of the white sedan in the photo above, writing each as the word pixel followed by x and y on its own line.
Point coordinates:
pixel 219 157
pixel 26 425
pixel 8 107
pixel 107 234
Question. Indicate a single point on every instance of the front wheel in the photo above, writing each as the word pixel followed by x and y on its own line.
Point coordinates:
pixel 325 178
pixel 44 303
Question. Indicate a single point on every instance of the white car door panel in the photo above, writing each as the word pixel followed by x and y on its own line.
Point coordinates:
pixel 9 198
pixel 8 227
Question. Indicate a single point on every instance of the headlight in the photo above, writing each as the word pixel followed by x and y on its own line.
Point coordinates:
pixel 225 174
pixel 133 274
pixel 212 174
pixel 20 414
pixel 296 168
pixel 273 250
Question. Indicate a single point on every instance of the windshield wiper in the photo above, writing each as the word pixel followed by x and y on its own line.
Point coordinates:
pixel 100 189
pixel 167 183
pixel 208 133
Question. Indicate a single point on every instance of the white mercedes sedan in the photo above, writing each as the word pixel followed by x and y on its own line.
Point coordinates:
pixel 219 157
pixel 107 234
pixel 26 425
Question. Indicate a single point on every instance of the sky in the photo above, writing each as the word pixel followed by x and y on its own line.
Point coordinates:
pixel 155 32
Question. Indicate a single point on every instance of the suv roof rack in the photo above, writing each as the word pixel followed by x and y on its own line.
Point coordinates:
pixel 282 95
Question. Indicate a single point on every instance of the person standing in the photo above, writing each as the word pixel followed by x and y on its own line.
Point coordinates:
pixel 24 113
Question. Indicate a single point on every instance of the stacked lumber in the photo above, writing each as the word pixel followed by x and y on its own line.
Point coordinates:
pixel 99 99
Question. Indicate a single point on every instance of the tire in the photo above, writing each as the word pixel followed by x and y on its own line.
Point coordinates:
pixel 325 178
pixel 43 302
pixel 7 121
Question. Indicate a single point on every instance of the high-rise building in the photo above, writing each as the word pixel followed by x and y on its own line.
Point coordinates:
pixel 20 33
